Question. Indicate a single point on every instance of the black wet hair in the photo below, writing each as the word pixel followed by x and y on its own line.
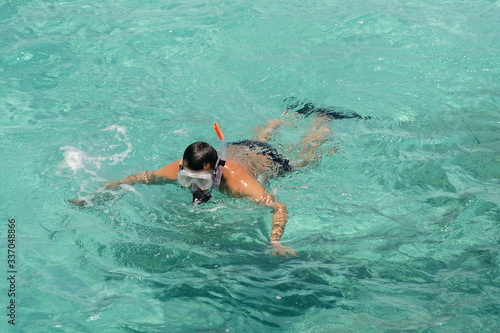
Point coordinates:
pixel 198 154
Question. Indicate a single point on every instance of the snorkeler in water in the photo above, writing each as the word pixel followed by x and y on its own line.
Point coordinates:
pixel 204 172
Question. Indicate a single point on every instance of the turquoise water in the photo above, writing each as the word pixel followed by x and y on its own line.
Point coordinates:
pixel 396 231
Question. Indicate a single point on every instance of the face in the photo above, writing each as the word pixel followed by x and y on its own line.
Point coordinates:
pixel 205 176
pixel 201 195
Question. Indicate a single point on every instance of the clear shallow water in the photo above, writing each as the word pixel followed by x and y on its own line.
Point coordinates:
pixel 397 231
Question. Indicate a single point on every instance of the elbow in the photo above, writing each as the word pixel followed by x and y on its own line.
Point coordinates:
pixel 280 208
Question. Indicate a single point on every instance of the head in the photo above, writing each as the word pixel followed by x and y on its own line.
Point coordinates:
pixel 199 159
pixel 200 156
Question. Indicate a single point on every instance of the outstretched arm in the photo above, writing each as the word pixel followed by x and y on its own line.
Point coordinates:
pixel 145 177
pixel 161 176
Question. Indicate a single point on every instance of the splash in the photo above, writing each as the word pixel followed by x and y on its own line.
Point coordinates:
pixel 73 159
pixel 119 157
pixel 91 156
pixel 76 159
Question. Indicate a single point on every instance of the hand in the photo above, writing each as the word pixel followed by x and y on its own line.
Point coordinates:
pixel 278 248
pixel 76 202
pixel 112 185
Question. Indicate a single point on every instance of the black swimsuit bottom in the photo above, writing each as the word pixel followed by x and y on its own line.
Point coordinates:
pixel 282 164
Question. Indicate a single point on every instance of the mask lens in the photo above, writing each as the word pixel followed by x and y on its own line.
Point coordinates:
pixel 184 179
pixel 204 183
pixel 202 180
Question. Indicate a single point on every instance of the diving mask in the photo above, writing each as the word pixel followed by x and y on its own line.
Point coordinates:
pixel 202 179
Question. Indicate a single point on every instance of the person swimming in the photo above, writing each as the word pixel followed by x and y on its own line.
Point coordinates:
pixel 204 172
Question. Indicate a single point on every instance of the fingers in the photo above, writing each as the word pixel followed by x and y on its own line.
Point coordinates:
pixel 280 249
pixel 112 185
pixel 287 253
pixel 76 202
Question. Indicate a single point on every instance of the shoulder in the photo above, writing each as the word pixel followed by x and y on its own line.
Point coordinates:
pixel 240 182
pixel 234 169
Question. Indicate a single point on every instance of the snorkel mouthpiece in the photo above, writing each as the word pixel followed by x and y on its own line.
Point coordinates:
pixel 199 197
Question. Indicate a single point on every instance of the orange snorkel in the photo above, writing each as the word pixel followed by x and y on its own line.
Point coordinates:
pixel 222 159
pixel 219 132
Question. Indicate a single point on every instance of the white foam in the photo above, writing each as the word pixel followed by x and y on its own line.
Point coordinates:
pixel 181 131
pixel 118 128
pixel 119 157
pixel 76 159
pixel 406 118
pixel 130 188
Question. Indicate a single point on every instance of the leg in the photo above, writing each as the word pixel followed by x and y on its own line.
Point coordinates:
pixel 264 133
pixel 309 152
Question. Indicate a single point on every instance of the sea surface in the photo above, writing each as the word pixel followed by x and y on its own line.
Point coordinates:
pixel 396 227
